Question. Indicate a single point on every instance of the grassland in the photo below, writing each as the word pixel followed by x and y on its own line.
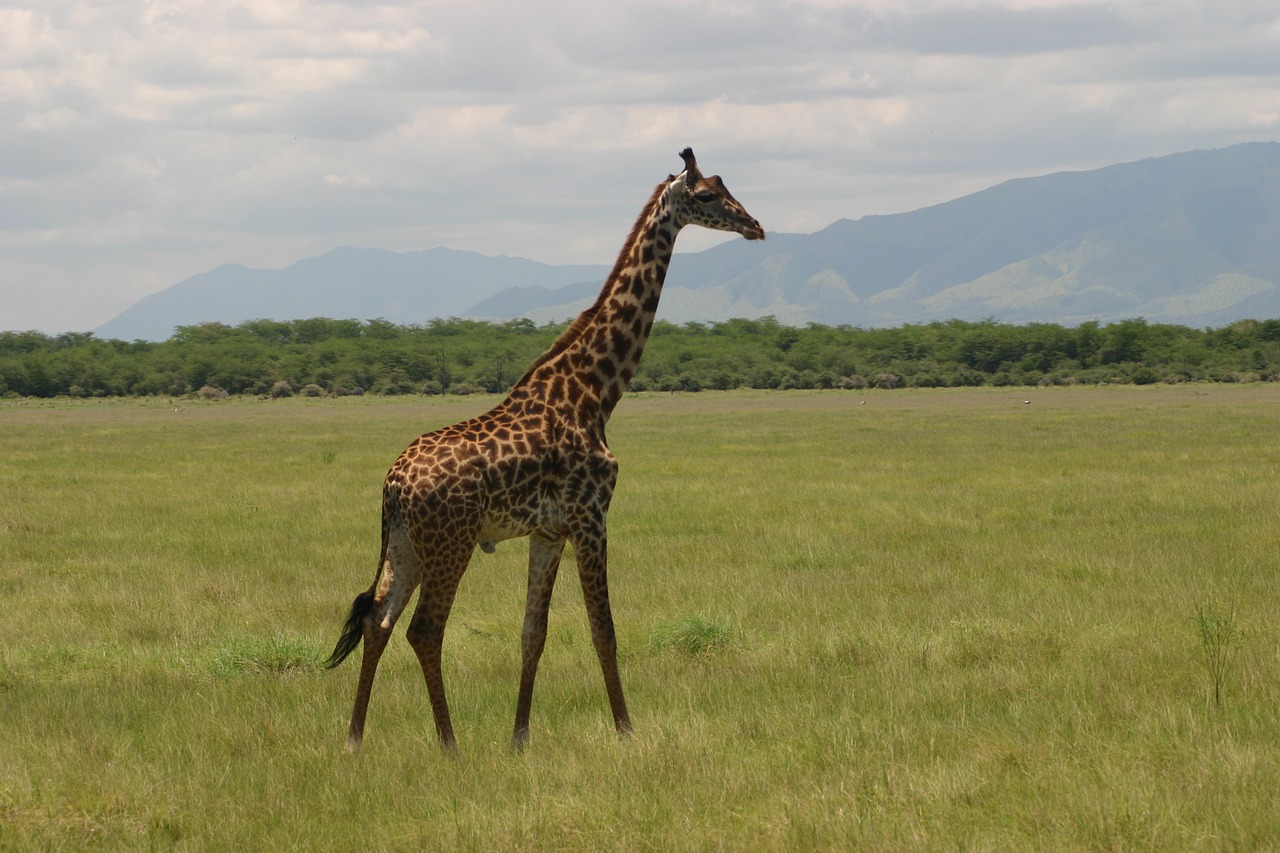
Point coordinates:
pixel 868 620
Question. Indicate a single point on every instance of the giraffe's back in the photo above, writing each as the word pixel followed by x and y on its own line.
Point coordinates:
pixel 484 480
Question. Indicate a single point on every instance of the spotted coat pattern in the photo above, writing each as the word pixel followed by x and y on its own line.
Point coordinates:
pixel 536 466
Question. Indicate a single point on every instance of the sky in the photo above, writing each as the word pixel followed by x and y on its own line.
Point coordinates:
pixel 142 142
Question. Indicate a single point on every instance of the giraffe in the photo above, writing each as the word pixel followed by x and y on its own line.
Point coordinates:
pixel 536 465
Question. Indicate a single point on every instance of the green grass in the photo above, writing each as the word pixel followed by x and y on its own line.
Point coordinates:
pixel 884 620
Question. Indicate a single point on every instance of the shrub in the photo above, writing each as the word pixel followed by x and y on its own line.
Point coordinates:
pixel 281 389
pixel 395 384
pixel 928 380
pixel 1144 376
pixel 1219 641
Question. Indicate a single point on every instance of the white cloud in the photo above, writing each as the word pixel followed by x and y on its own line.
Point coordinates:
pixel 143 143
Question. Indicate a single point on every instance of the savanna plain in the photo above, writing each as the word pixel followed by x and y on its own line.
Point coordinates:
pixel 902 620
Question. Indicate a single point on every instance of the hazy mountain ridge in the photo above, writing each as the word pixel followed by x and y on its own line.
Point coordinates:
pixel 403 287
pixel 1191 238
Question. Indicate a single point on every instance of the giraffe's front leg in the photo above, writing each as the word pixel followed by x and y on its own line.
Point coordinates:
pixel 544 563
pixel 592 554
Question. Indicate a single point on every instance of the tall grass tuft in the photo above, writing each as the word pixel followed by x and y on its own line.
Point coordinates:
pixel 695 634
pixel 1220 639
pixel 278 654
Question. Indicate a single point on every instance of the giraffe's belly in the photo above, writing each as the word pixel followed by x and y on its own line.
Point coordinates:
pixel 503 524
pixel 493 533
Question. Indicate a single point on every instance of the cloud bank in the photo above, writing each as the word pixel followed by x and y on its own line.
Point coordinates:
pixel 146 142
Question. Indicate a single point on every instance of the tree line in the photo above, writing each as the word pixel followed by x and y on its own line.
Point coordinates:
pixel 321 357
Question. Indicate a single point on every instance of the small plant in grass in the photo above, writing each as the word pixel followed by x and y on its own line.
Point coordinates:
pixel 1219 641
pixel 278 654
pixel 695 634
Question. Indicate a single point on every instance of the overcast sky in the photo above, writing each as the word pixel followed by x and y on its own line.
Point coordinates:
pixel 145 142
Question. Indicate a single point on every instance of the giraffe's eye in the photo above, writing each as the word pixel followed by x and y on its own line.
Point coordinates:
pixel 704 196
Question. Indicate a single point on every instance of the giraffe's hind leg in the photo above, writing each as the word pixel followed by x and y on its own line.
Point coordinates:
pixel 426 632
pixel 399 576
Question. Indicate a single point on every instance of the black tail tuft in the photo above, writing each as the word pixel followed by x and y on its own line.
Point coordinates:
pixel 353 630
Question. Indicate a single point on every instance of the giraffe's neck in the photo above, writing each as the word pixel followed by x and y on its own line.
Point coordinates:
pixel 593 361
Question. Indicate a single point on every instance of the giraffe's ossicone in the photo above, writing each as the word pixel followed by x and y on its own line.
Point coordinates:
pixel 536 465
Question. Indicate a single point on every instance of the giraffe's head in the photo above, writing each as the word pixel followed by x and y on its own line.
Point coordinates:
pixel 708 202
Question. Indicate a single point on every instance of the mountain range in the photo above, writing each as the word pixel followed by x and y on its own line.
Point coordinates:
pixel 1190 238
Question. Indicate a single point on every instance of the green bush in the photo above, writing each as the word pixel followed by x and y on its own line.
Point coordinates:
pixel 265 357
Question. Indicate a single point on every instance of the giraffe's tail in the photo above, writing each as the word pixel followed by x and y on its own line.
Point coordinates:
pixel 353 630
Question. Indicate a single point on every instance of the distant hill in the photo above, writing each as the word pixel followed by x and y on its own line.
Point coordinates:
pixel 402 287
pixel 1190 238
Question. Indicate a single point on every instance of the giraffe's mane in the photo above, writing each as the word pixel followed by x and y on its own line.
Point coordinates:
pixel 587 317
